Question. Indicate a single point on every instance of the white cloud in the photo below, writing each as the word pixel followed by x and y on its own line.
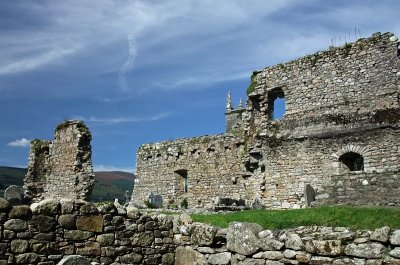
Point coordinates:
pixel 113 168
pixel 81 26
pixel 115 120
pixel 26 64
pixel 191 40
pixel 128 65
pixel 23 142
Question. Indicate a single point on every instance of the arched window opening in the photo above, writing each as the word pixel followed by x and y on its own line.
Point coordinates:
pixel 276 104
pixel 183 180
pixel 352 161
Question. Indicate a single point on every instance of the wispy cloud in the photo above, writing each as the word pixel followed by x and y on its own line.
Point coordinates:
pixel 128 65
pixel 23 142
pixel 26 64
pixel 116 120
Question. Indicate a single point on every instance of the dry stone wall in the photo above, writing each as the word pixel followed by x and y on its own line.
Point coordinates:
pixel 250 244
pixel 342 120
pixel 61 168
pixel 53 232
pixel 46 232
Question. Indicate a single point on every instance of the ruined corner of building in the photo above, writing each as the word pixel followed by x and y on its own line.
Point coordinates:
pixel 337 141
pixel 61 168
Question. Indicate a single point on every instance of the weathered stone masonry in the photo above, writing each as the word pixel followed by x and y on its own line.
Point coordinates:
pixel 195 169
pixel 46 232
pixel 339 135
pixel 61 168
pixel 50 231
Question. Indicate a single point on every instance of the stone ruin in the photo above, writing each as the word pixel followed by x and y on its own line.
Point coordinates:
pixel 61 168
pixel 337 143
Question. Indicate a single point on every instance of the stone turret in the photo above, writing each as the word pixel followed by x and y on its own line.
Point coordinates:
pixel 233 116
pixel 229 106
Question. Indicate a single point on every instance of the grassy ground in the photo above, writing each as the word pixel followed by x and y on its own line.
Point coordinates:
pixel 353 217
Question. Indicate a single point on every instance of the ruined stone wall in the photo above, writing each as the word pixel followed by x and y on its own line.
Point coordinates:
pixel 375 189
pixel 344 88
pixel 48 232
pixel 61 168
pixel 35 179
pixel 212 165
pixel 45 233
pixel 290 165
pixel 343 101
pixel 246 243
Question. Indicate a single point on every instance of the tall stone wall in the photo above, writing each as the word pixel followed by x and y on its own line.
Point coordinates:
pixel 197 169
pixel 291 165
pixel 61 168
pixel 341 104
pixel 345 88
pixel 35 179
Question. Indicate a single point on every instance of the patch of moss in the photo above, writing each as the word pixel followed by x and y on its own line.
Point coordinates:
pixel 38 145
pixel 253 83
pixel 347 49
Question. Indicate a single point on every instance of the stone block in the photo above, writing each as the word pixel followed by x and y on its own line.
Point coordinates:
pixel 132 258
pixel 74 260
pixel 46 207
pixel 77 235
pixel 17 225
pixel 93 223
pixel 142 239
pixel 188 256
pixel 19 246
pixel 20 212
pixel 381 234
pixel 365 250
pixel 5 206
pixel 220 258
pixel 90 249
pixel 67 221
pixel 243 238
pixel 395 238
pixel 325 247
pixel 105 239
pixel 43 223
pixel 293 241
pixel 26 258
pixel 202 234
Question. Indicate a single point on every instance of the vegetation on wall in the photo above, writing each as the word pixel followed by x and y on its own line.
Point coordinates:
pixel 253 83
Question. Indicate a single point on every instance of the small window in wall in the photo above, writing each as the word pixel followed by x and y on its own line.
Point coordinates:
pixel 183 179
pixel 276 104
pixel 352 161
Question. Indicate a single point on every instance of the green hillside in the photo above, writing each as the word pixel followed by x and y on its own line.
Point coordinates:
pixel 11 176
pixel 107 186
pixel 108 190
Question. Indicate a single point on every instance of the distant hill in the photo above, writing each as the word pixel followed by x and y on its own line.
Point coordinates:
pixel 107 186
pixel 111 185
pixel 11 176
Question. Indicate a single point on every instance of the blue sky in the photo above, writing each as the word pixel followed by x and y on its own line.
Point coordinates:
pixel 147 71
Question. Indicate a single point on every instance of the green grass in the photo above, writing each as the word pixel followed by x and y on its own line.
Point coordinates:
pixel 353 217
